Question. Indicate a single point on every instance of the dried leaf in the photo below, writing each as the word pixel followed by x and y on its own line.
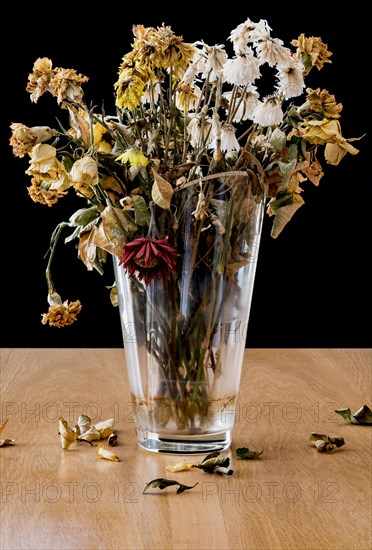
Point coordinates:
pixel 215 464
pixel 231 269
pixel 102 242
pixel 362 416
pixel 105 453
pixel 141 213
pixel 312 168
pixel 117 224
pixel 325 443
pixel 162 483
pixel 87 247
pixel 278 140
pixel 5 442
pixel 161 191
pixel 283 213
pixel 66 433
pixel 84 216
pixel 80 125
pixel 244 452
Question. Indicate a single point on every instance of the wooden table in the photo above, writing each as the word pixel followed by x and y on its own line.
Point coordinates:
pixel 293 497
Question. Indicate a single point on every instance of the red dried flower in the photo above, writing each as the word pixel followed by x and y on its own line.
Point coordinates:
pixel 152 259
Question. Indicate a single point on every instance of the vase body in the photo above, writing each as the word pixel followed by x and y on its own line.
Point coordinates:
pixel 184 337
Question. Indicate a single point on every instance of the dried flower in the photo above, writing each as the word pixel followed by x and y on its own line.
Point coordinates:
pixel 23 138
pixel 149 259
pixel 134 156
pixel 324 103
pixel 84 176
pixel 62 315
pixel 61 83
pixel 175 103
pixel 327 132
pixel 312 51
pixel 268 113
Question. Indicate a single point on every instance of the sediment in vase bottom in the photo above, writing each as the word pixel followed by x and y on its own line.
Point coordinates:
pixel 178 420
pixel 183 444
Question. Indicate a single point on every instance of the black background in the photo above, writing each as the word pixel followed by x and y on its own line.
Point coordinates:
pixel 313 283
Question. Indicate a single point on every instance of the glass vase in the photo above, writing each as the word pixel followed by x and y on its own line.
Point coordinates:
pixel 184 336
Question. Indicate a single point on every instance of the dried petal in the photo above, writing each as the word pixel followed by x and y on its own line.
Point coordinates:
pixel 90 435
pixel 325 443
pixel 105 428
pixel 2 426
pixel 362 416
pixel 66 433
pixel 84 423
pixel 180 467
pixel 105 453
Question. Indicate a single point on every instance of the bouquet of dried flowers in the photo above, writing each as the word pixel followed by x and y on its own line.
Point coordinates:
pixel 190 134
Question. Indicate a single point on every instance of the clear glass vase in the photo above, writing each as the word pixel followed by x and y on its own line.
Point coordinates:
pixel 184 337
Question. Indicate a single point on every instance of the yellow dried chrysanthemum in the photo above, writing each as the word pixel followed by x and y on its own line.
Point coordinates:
pixel 129 91
pixel 321 101
pixel 312 52
pixel 170 51
pixel 187 97
pixel 62 315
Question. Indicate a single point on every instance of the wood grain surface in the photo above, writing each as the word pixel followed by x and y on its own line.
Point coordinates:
pixel 293 497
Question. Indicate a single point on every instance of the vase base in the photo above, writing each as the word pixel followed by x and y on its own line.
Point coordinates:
pixel 184 444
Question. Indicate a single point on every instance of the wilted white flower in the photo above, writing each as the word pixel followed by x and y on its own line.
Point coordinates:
pixel 216 58
pixel 269 112
pixel 271 51
pixel 228 138
pixel 248 32
pixel 199 130
pixel 242 69
pixel 291 79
